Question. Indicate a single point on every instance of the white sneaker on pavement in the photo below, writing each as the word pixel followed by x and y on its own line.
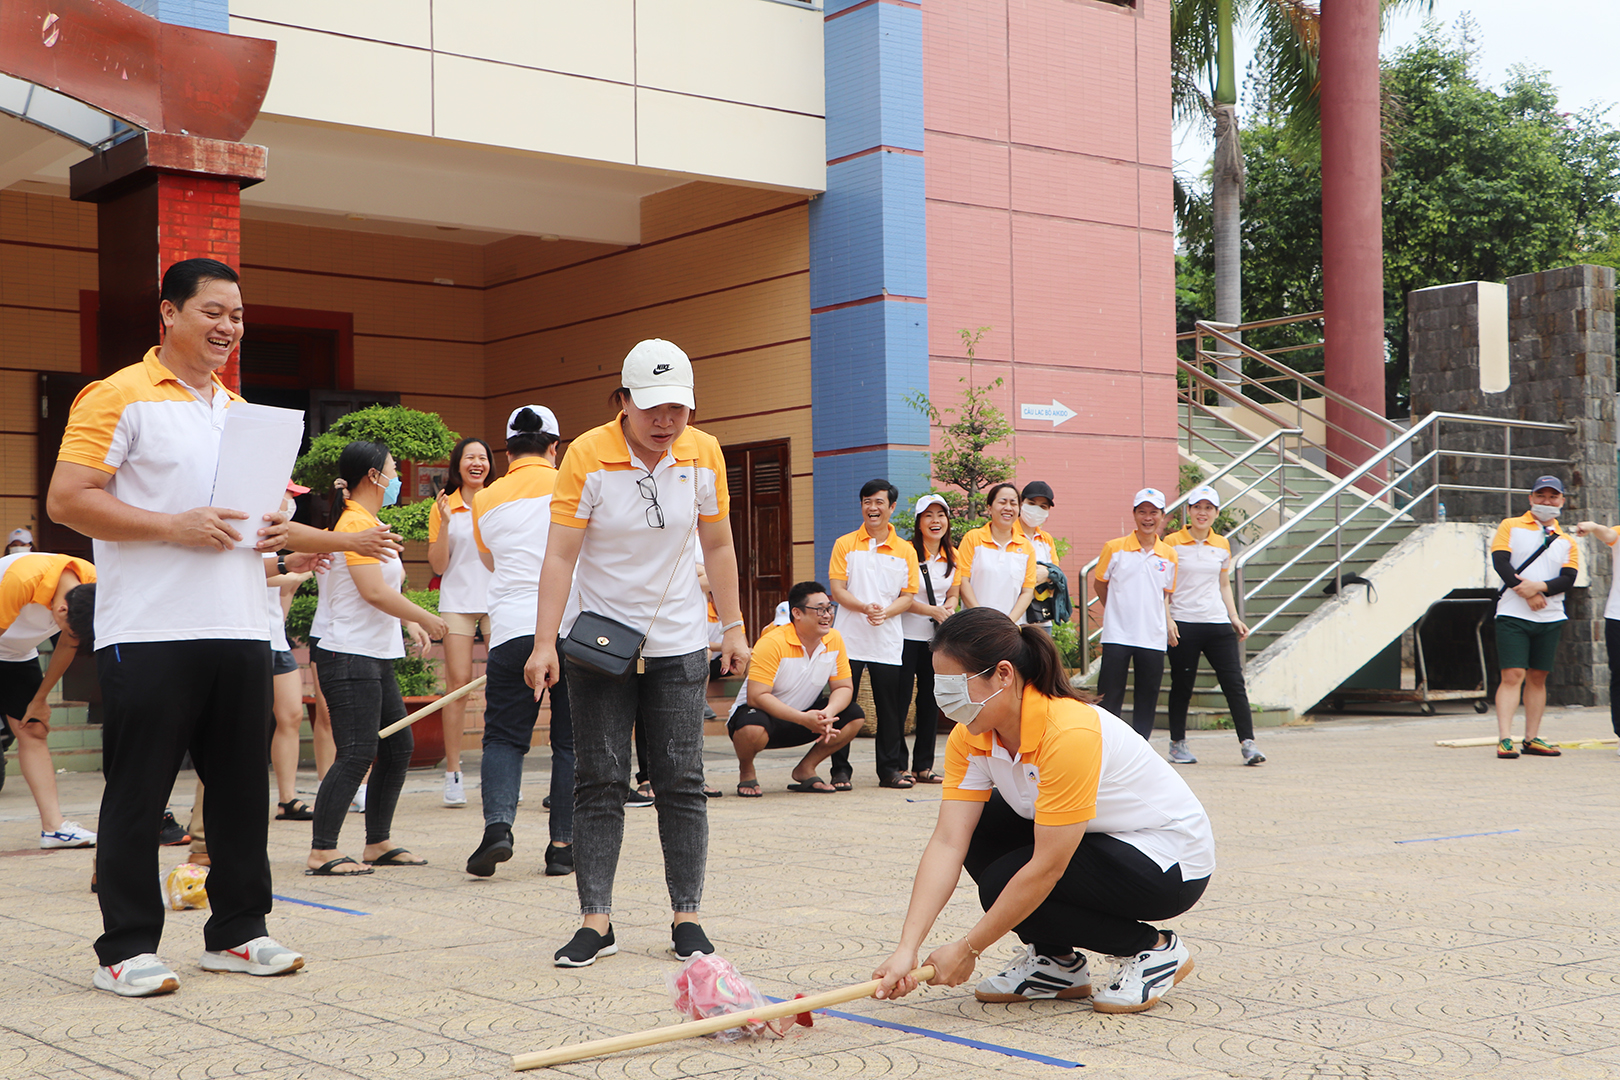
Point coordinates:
pixel 141 975
pixel 69 834
pixel 357 805
pixel 1251 752
pixel 1138 982
pixel 1033 977
pixel 455 793
pixel 261 956
pixel 1180 755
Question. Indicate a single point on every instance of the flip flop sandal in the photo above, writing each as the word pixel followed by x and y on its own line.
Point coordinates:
pixel 392 858
pixel 295 810
pixel 928 776
pixel 326 869
pixel 749 789
pixel 842 783
pixel 897 780
pixel 712 792
pixel 808 786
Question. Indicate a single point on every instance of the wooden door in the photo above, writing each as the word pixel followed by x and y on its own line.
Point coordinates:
pixel 57 389
pixel 758 477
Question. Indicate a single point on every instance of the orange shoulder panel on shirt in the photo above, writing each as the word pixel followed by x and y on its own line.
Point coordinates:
pixel 767 656
pixel 1070 763
pixel 353 520
pixel 958 748
pixel 91 424
pixel 434 523
pixel 838 565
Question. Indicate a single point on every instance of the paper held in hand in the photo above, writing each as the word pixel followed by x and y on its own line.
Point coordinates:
pixel 258 445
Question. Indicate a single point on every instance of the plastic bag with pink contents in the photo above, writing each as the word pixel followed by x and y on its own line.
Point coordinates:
pixel 708 986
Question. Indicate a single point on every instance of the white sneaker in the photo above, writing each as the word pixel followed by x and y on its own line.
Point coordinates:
pixel 357 805
pixel 1138 982
pixel 454 793
pixel 261 956
pixel 68 834
pixel 1180 755
pixel 1251 752
pixel 1033 977
pixel 140 976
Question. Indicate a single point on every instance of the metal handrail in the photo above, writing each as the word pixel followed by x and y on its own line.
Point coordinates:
pixel 1356 483
pixel 1279 470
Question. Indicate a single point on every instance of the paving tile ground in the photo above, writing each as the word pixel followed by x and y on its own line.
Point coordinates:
pixel 1383 908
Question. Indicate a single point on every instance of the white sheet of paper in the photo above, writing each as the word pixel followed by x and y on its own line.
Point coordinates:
pixel 258 445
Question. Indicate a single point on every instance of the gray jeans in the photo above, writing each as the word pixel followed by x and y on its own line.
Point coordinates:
pixel 669 700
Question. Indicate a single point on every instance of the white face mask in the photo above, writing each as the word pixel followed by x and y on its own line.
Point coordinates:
pixel 952 697
pixel 1544 514
pixel 1034 515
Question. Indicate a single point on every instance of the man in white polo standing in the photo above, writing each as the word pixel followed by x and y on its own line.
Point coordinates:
pixel 1136 574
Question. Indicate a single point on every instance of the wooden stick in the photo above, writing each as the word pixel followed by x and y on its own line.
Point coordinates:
pixel 1567 744
pixel 675 1032
pixel 432 707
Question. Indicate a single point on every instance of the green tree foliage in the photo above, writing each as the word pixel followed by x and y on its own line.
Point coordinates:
pixel 1481 184
pixel 411 435
pixel 966 433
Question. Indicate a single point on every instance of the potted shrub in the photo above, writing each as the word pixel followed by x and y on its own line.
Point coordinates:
pixel 411 435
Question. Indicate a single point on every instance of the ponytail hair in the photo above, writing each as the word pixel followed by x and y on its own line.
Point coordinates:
pixel 981 637
pixel 355 464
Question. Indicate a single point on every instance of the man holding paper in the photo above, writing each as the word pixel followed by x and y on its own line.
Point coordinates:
pixel 182 643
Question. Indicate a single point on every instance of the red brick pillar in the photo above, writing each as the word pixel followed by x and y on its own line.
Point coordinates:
pixel 160 198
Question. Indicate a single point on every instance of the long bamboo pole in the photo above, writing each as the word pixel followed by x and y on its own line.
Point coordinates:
pixel 692 1028
pixel 432 707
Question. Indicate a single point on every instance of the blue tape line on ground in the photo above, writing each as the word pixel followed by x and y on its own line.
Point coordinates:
pixel 311 903
pixel 1459 836
pixel 1028 1055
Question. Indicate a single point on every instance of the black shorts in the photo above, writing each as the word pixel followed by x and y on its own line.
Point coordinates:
pixel 20 680
pixel 785 733
pixel 282 662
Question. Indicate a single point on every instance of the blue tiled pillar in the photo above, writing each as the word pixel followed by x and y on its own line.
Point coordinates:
pixel 199 14
pixel 868 266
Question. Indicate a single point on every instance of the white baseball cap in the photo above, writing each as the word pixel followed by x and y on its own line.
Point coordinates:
pixel 21 536
pixel 931 500
pixel 548 421
pixel 1149 495
pixel 1203 492
pixel 658 373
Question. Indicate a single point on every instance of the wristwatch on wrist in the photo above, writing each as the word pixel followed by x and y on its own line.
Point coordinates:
pixel 281 563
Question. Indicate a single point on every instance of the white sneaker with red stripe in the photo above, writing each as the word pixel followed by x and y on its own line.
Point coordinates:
pixel 261 956
pixel 141 975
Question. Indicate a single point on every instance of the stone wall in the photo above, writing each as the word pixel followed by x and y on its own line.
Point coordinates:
pixel 1562 354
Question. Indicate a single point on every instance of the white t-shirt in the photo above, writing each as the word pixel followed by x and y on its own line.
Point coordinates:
pixel 464 585
pixel 348 623
pixel 921 627
pixel 159 440
pixel 1199 563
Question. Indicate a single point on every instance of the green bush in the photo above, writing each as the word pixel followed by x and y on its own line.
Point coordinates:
pixel 411 435
pixel 417 676
pixel 1066 636
pixel 410 520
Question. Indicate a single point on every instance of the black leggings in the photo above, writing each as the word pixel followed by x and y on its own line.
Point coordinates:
pixel 362 697
pixel 1116 661
pixel 1219 642
pixel 1611 638
pixel 917 662
pixel 1100 900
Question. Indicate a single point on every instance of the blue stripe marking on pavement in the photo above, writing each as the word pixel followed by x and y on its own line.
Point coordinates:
pixel 1028 1055
pixel 311 903
pixel 1459 836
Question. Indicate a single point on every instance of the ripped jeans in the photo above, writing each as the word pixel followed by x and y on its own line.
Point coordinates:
pixel 669 700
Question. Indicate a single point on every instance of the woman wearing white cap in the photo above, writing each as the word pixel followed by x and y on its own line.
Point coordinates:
pixel 1136 573
pixel 511 519
pixel 20 543
pixel 936 561
pixel 628 496
pixel 1207 624
pixel 463 589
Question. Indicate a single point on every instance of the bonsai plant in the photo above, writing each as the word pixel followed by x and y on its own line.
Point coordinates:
pixel 411 435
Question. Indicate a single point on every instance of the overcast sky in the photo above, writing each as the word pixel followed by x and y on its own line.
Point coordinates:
pixel 1575 41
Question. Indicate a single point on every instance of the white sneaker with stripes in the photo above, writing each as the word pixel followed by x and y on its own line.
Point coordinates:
pixel 1033 977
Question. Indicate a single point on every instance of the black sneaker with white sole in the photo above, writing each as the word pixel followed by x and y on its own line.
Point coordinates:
pixel 585 947
pixel 687 940
pixel 559 860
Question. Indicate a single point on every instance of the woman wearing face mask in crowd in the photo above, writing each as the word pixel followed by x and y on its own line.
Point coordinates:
pixel 1035 505
pixel 1073 828
pixel 358 621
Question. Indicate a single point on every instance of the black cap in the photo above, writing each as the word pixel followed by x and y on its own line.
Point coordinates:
pixel 1038 489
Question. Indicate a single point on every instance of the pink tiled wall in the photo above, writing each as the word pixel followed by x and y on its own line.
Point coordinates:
pixel 1049 220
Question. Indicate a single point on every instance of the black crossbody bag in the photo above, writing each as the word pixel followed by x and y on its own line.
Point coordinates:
pixel 612 648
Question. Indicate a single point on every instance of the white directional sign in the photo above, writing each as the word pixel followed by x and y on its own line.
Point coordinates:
pixel 1057 412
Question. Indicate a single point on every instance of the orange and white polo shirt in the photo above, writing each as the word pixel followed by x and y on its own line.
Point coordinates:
pixel 1522 537
pixel 1077 763
pixel 625 561
pixel 1199 564
pixel 876 572
pixel 344 620
pixel 464 585
pixel 511 519
pixel 27 586
pixel 793 675
pixel 159 438
pixel 997 572
pixel 1138 582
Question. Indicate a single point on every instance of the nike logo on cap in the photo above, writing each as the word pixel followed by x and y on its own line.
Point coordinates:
pixel 660 369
